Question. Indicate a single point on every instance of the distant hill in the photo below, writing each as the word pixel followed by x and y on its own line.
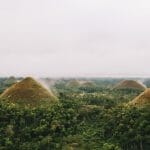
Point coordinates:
pixel 147 82
pixel 9 81
pixel 142 99
pixel 88 84
pixel 80 83
pixel 73 83
pixel 28 92
pixel 48 81
pixel 130 84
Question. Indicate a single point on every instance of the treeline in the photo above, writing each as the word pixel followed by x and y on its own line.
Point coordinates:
pixel 71 125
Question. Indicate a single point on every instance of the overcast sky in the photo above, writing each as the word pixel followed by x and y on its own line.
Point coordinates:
pixel 75 38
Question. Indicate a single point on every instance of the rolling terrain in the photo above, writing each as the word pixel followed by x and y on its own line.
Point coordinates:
pixel 87 114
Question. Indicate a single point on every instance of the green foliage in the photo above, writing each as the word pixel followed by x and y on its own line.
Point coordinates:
pixel 108 146
pixel 83 119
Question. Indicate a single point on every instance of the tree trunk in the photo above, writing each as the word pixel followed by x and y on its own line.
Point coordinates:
pixel 141 145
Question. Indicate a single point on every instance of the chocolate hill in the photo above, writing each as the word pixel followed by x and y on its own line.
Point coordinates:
pixel 142 99
pixel 28 92
pixel 87 84
pixel 11 80
pixel 129 84
pixel 80 83
pixel 73 83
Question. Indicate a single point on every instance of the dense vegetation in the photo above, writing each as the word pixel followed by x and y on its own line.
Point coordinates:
pixel 93 118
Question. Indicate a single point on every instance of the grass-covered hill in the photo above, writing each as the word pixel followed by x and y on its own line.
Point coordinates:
pixel 9 81
pixel 73 83
pixel 87 84
pixel 142 99
pixel 28 92
pixel 129 84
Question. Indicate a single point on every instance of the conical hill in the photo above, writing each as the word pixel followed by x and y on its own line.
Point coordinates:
pixel 142 99
pixel 28 91
pixel 129 84
pixel 73 83
pixel 11 80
